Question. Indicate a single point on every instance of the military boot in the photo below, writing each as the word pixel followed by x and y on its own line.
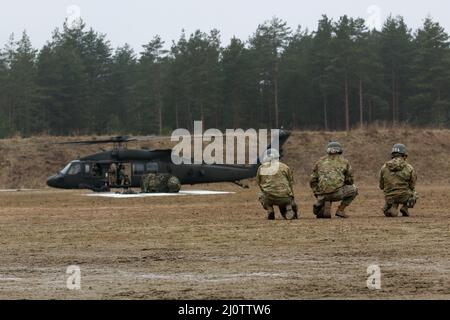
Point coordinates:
pixel 387 209
pixel 271 215
pixel 340 212
pixel 391 210
pixel 295 209
pixel 296 213
pixel 318 210
pixel 326 214
pixel 404 211
pixel 290 214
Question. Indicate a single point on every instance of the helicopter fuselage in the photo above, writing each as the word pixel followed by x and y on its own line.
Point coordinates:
pixel 93 172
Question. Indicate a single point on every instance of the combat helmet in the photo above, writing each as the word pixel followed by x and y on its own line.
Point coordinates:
pixel 334 147
pixel 399 149
pixel 270 155
pixel 173 184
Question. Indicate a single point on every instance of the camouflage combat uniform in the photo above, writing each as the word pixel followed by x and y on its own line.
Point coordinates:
pixel 398 181
pixel 277 189
pixel 161 182
pixel 112 174
pixel 122 178
pixel 331 181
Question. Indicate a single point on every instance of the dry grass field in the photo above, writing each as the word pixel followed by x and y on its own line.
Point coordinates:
pixel 218 247
pixel 221 246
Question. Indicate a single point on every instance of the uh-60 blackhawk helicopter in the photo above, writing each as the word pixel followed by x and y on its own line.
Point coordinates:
pixel 130 166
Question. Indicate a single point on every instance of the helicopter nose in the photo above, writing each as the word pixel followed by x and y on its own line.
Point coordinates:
pixel 54 181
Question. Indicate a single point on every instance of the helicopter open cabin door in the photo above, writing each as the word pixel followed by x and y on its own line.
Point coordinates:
pixel 118 174
pixel 95 174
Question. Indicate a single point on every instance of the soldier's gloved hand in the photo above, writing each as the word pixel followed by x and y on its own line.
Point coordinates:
pixel 412 200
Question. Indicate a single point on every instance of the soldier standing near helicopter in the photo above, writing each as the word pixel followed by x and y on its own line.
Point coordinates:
pixel 122 177
pixel 112 175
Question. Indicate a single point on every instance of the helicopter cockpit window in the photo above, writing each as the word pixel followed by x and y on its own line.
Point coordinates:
pixel 151 167
pixel 66 169
pixel 75 168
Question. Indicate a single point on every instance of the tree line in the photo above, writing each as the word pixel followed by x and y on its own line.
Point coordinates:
pixel 339 76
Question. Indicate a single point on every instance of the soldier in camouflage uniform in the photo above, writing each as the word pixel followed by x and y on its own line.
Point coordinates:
pixel 276 181
pixel 398 182
pixel 161 182
pixel 331 181
pixel 112 174
pixel 122 177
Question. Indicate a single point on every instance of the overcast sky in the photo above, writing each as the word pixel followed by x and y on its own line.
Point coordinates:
pixel 137 21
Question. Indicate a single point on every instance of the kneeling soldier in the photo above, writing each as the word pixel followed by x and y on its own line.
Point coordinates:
pixel 331 181
pixel 398 182
pixel 276 181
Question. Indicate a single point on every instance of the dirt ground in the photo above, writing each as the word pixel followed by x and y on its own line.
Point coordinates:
pixel 219 247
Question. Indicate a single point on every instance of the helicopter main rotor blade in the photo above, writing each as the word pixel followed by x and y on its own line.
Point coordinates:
pixel 150 138
pixel 120 139
pixel 85 142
